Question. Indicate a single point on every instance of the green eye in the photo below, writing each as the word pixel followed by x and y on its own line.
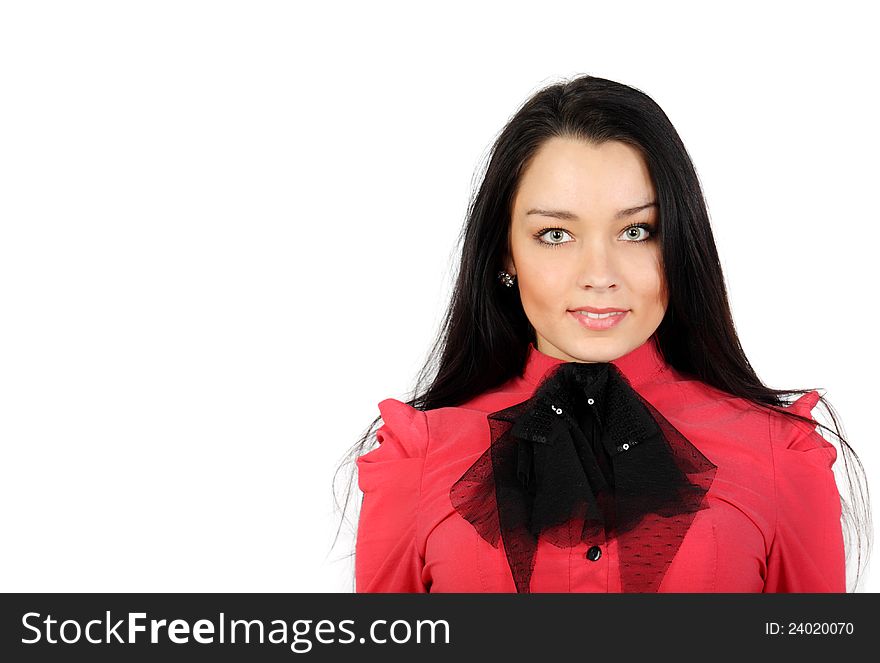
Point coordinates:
pixel 555 233
pixel 643 226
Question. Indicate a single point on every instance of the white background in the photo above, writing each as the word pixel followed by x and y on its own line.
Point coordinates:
pixel 228 230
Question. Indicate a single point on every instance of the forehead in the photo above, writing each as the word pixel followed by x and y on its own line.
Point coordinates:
pixel 585 177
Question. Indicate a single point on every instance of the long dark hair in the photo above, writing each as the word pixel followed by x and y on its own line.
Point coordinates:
pixel 484 336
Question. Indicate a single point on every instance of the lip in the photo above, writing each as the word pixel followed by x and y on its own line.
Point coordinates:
pixel 593 309
pixel 598 325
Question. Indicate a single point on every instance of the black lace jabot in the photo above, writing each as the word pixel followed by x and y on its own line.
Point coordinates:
pixel 584 459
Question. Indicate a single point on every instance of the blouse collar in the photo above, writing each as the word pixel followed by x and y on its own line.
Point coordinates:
pixel 638 365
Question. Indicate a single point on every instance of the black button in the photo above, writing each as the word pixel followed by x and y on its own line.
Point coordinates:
pixel 594 553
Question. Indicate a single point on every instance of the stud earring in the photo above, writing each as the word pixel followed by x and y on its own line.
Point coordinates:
pixel 506 278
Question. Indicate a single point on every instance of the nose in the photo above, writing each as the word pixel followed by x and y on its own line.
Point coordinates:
pixel 598 266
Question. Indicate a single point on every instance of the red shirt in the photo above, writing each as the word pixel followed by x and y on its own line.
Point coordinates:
pixel 773 522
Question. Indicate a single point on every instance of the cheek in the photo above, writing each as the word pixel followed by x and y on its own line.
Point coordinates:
pixel 650 282
pixel 542 286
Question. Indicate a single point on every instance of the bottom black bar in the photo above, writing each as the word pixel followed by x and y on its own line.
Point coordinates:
pixel 430 627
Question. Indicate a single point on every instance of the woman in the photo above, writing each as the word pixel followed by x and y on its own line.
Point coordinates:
pixel 593 424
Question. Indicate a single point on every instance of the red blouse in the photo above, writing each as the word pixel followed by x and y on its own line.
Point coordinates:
pixel 773 522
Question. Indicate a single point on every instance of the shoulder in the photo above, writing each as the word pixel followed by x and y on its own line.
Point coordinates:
pixel 462 430
pixel 800 441
pixel 780 431
pixel 402 445
pixel 404 427
pixel 722 421
pixel 787 444
pixel 410 432
pixel 729 426
pixel 697 400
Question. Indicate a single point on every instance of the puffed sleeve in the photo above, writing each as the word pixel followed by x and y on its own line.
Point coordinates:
pixel 807 553
pixel 386 555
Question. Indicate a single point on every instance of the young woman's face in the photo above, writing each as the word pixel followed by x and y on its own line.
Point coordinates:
pixel 572 246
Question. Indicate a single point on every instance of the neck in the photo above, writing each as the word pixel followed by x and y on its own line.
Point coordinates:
pixel 638 365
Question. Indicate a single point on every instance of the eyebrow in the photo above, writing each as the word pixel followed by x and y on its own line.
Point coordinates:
pixel 570 216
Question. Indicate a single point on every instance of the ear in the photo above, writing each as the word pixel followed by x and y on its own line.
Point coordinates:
pixel 509 265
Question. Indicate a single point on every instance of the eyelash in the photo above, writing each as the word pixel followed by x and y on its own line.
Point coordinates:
pixel 646 226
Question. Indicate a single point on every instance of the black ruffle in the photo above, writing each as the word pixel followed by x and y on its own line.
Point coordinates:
pixel 584 459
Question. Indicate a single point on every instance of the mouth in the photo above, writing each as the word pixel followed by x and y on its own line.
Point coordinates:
pixel 599 321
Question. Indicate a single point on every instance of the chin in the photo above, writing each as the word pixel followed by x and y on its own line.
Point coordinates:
pixel 596 349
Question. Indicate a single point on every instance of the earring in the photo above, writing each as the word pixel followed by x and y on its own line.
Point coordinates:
pixel 506 278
